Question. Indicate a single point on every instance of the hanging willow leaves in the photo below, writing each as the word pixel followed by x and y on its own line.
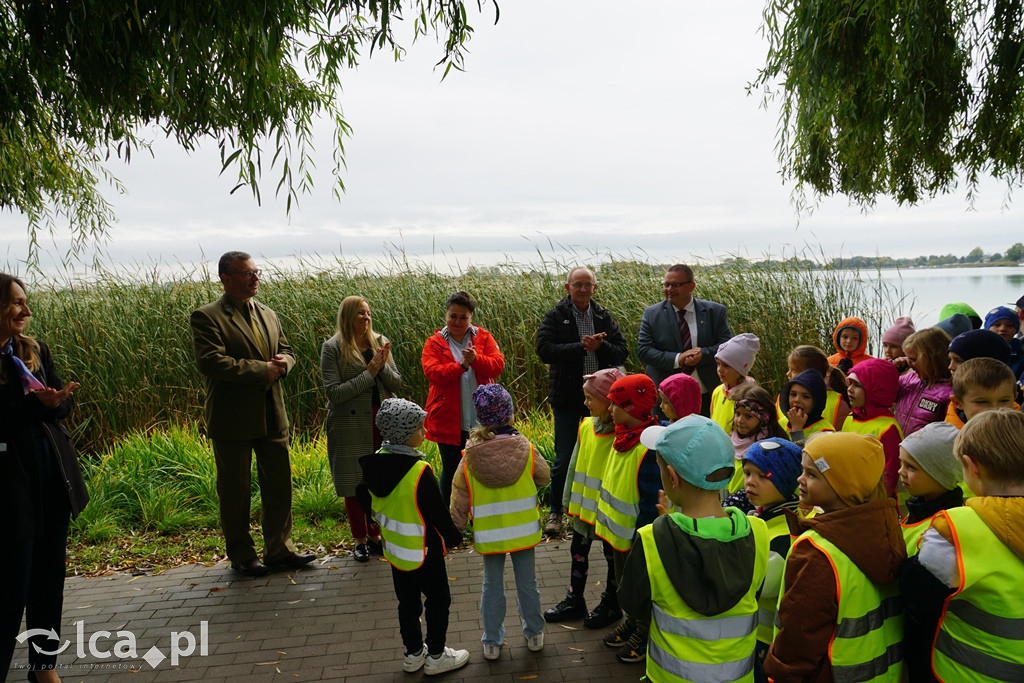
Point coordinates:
pixel 78 78
pixel 895 98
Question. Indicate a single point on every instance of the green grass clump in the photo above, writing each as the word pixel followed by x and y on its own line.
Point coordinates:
pixel 128 342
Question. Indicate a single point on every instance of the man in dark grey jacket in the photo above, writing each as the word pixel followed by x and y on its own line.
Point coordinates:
pixel 577 337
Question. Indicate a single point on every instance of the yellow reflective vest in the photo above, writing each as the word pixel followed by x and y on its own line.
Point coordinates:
pixel 867 645
pixel 912 534
pixel 591 457
pixel 686 645
pixel 401 524
pixel 981 631
pixel 619 503
pixel 767 606
pixel 505 519
pixel 875 427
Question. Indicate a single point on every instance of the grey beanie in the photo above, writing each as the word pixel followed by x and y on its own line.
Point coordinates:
pixel 398 419
pixel 932 448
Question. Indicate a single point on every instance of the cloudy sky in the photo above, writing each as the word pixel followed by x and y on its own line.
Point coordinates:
pixel 584 126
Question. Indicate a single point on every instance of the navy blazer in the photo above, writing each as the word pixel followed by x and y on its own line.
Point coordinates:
pixel 659 340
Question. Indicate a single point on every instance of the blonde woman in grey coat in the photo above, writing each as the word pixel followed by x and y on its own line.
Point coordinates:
pixel 358 373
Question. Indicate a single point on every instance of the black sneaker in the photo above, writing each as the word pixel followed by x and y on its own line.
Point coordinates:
pixel 606 613
pixel 635 648
pixel 569 609
pixel 621 634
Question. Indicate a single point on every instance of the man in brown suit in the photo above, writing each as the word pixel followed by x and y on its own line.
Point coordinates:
pixel 243 354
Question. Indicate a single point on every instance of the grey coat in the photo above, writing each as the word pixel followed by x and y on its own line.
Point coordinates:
pixel 350 411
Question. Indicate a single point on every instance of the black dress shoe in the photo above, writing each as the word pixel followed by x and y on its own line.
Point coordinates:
pixel 606 613
pixel 570 608
pixel 292 560
pixel 251 567
pixel 361 553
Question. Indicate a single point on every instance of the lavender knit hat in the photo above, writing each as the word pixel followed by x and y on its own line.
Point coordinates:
pixel 493 405
pixel 739 352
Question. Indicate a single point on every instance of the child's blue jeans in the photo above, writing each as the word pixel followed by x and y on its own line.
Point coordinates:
pixel 492 600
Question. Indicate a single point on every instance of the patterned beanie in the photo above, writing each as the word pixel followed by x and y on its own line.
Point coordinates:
pixel 780 460
pixel 398 419
pixel 636 394
pixel 1002 313
pixel 493 405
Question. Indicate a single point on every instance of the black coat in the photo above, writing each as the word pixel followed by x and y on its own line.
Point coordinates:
pixel 559 345
pixel 22 419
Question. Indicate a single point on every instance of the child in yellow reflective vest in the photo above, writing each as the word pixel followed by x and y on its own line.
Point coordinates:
pixel 579 500
pixel 840 615
pixel 629 495
pixel 495 485
pixel 697 571
pixel 770 471
pixel 400 488
pixel 734 359
pixel 964 588
pixel 872 387
pixel 929 473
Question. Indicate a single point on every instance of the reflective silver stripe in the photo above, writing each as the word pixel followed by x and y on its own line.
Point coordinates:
pixel 504 507
pixel 1000 627
pixel 711 629
pixel 403 528
pixel 617 529
pixel 586 480
pixel 584 503
pixel 765 616
pixel 976 660
pixel 866 671
pixel 407 554
pixel 698 671
pixel 620 505
pixel 507 533
pixel 855 627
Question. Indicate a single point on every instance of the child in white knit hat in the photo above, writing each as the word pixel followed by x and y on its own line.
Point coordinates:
pixel 735 358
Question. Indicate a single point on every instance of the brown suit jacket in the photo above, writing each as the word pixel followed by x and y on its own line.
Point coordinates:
pixel 238 396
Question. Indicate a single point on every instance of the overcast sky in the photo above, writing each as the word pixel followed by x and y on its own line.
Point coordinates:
pixel 593 126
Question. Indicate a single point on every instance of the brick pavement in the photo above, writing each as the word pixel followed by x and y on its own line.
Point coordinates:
pixel 334 621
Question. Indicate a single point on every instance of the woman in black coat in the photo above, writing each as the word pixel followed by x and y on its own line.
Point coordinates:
pixel 41 486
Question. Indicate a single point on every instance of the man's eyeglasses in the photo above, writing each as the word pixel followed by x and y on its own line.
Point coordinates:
pixel 248 273
pixel 675 285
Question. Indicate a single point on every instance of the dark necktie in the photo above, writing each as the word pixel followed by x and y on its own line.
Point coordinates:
pixel 684 329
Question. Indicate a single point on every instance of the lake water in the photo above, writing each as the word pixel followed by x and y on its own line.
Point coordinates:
pixel 927 290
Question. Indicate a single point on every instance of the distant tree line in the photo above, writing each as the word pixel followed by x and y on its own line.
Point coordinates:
pixel 977 256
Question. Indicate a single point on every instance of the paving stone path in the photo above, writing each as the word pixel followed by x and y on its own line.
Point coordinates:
pixel 334 621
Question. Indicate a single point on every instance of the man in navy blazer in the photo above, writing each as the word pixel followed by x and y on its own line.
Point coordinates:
pixel 660 342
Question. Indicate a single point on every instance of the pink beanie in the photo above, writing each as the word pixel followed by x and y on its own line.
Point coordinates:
pixel 683 392
pixel 901 329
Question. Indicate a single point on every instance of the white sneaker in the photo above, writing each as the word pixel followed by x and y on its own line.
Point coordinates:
pixel 449 660
pixel 535 643
pixel 492 652
pixel 413 663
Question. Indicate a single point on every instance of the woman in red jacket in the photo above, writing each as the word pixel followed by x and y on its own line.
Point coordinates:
pixel 456 359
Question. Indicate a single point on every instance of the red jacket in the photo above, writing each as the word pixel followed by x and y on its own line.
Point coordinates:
pixel 444 416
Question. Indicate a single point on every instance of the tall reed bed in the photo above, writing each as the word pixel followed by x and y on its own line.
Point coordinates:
pixel 128 341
